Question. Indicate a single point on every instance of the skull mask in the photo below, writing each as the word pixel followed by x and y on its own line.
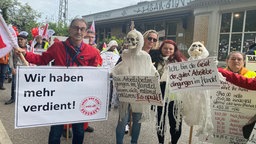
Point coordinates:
pixel 197 49
pixel 132 39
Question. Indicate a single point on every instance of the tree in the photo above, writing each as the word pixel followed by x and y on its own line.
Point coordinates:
pixel 24 17
pixel 4 5
pixel 59 30
pixel 21 16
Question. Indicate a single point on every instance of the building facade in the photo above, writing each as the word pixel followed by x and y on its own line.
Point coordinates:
pixel 223 25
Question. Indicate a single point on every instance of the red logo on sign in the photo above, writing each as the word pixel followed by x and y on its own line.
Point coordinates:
pixel 90 106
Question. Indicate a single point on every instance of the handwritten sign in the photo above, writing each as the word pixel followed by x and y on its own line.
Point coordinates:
pixel 250 62
pixel 109 59
pixel 199 74
pixel 138 89
pixel 232 107
pixel 59 95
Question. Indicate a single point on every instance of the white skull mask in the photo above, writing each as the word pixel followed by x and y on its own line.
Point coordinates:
pixel 197 49
pixel 132 39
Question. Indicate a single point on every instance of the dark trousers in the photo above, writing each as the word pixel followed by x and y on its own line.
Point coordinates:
pixel 56 132
pixel 175 135
pixel 110 94
pixel 13 89
pixel 3 70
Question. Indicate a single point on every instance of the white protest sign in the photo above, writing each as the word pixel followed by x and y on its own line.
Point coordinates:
pixel 39 51
pixel 250 62
pixel 138 89
pixel 195 74
pixel 232 108
pixel 60 95
pixel 109 59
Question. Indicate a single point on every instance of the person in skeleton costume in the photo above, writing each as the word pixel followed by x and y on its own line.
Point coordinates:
pixel 196 104
pixel 167 53
pixel 135 62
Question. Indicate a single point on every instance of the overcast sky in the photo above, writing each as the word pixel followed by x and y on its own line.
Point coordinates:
pixel 76 8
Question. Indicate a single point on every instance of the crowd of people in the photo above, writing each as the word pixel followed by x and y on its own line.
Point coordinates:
pixel 161 54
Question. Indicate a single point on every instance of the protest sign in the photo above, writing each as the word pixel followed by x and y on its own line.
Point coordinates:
pixel 232 108
pixel 250 62
pixel 138 89
pixel 60 95
pixel 195 74
pixel 109 59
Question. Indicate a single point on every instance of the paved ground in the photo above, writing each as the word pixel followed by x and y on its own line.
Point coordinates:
pixel 104 131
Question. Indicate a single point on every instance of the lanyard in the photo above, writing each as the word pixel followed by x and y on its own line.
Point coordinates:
pixel 69 52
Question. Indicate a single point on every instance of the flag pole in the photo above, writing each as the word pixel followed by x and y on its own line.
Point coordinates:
pixel 14 45
pixel 130 123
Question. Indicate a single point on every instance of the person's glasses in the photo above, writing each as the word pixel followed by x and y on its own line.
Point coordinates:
pixel 150 39
pixel 77 28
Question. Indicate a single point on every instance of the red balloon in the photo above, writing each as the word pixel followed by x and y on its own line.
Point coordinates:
pixel 34 32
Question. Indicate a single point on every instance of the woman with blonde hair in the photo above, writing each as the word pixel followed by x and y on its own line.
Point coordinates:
pixel 151 40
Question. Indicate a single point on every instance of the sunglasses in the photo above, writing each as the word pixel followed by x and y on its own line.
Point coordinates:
pixel 150 39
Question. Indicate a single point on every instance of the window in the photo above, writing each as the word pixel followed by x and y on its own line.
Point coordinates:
pixel 171 31
pixel 237 32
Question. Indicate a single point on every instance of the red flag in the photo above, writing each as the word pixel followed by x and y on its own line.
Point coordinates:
pixel 2 44
pixel 92 27
pixel 45 34
pixel 7 40
pixel 104 46
pixel 43 31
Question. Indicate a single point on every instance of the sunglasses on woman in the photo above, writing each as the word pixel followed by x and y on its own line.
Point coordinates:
pixel 150 39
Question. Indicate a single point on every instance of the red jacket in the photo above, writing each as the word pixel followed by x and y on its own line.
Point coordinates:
pixel 88 56
pixel 248 83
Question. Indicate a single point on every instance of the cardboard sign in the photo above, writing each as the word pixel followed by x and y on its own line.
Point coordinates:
pixel 60 95
pixel 250 62
pixel 193 75
pixel 138 89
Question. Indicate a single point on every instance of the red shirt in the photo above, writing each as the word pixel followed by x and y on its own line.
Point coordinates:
pixel 236 79
pixel 88 56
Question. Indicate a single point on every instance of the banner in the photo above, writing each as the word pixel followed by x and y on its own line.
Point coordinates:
pixel 59 95
pixel 232 108
pixel 138 89
pixel 191 75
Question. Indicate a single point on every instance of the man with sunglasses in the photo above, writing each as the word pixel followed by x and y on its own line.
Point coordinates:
pixel 61 52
